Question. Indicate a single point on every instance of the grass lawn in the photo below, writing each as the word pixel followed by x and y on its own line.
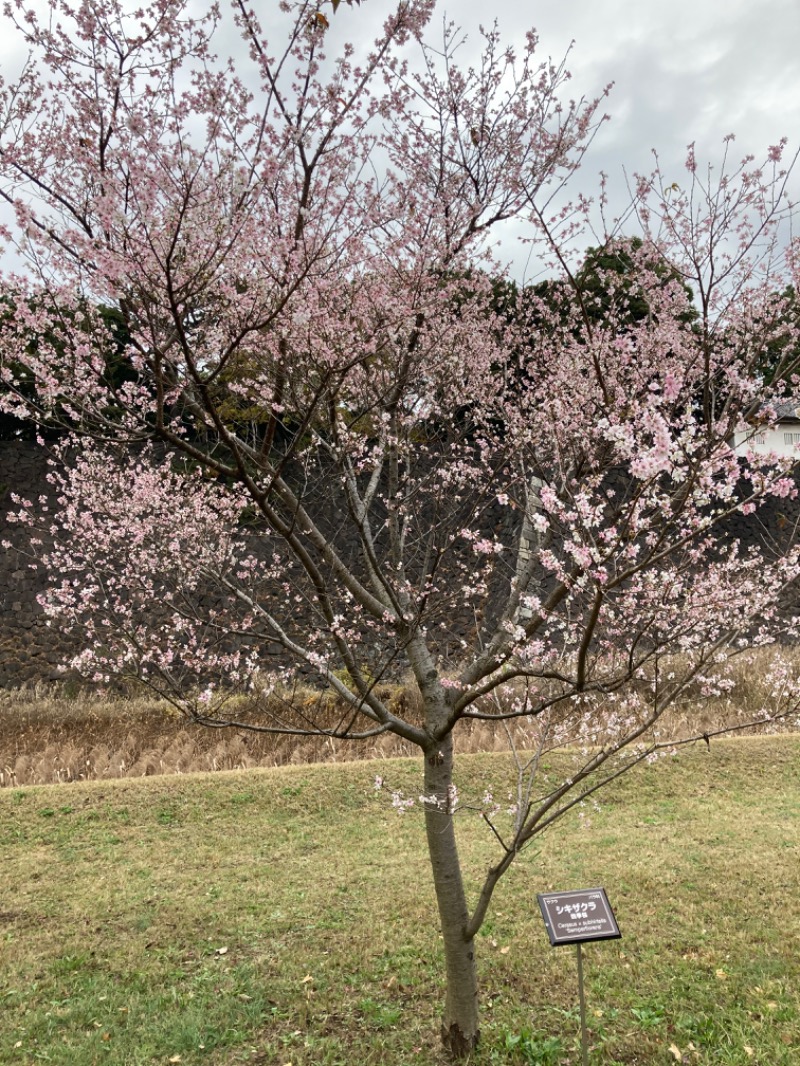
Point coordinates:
pixel 286 916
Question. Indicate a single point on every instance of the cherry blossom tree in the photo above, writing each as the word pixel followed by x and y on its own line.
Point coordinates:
pixel 325 451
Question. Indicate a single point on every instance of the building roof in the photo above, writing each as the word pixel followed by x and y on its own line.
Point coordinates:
pixel 788 411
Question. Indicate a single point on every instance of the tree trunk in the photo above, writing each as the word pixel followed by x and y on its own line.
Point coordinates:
pixel 460 1022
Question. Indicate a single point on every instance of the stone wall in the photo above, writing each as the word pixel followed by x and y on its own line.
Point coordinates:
pixel 31 650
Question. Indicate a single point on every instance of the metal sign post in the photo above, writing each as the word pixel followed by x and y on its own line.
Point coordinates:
pixel 584 1034
pixel 575 918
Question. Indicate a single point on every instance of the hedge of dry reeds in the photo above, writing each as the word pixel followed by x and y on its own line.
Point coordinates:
pixel 50 735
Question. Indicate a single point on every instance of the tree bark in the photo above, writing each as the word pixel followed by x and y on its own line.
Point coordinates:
pixel 460 1032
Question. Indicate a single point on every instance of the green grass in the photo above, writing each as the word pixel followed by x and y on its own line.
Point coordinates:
pixel 287 916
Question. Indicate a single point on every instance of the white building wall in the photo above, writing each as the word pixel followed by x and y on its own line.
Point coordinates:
pixel 783 439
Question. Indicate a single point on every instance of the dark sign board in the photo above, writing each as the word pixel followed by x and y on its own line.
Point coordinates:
pixel 575 917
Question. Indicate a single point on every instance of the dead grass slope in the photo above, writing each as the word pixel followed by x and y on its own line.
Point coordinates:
pixel 49 735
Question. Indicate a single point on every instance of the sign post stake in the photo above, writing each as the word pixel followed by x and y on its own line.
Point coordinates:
pixel 584 1035
pixel 575 918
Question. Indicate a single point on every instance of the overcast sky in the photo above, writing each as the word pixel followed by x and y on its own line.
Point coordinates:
pixel 684 70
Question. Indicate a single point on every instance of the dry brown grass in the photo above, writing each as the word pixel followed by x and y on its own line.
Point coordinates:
pixel 48 735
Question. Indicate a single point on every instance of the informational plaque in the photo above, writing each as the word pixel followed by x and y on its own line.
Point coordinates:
pixel 575 917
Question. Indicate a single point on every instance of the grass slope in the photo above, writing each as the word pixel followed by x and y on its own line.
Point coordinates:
pixel 286 916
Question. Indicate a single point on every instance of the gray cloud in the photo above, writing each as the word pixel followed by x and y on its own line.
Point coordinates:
pixel 684 70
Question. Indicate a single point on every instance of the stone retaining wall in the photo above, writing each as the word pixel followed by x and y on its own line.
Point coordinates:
pixel 31 650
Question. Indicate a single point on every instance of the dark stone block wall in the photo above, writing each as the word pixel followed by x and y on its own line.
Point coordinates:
pixel 31 650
